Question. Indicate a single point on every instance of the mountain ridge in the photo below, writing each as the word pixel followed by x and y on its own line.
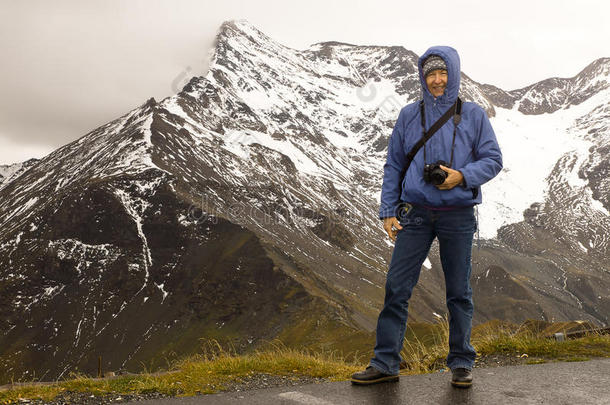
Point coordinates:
pixel 268 168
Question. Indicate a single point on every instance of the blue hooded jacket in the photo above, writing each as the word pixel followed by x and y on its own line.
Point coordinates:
pixel 476 153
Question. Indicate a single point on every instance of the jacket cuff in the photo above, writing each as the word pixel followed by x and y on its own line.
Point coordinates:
pixel 464 184
pixel 386 213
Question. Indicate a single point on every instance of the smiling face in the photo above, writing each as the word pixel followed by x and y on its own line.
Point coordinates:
pixel 436 81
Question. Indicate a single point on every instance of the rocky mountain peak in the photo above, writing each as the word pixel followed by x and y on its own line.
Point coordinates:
pixel 263 177
pixel 241 28
pixel 240 36
pixel 599 67
pixel 8 173
pixel 550 95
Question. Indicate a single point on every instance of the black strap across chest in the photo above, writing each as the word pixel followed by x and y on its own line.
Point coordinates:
pixel 455 110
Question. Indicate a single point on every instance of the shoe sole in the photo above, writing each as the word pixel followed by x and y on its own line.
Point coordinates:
pixel 391 378
pixel 461 384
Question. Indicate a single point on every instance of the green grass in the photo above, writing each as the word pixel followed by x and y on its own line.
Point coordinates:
pixel 426 345
pixel 532 343
pixel 424 351
pixel 536 361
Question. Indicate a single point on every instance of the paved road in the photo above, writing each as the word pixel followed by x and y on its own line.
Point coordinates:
pixel 552 383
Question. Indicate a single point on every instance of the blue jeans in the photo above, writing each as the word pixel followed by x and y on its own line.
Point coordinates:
pixel 454 230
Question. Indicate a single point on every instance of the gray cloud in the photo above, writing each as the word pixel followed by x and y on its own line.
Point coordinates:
pixel 70 66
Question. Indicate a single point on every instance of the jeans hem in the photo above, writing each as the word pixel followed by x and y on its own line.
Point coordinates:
pixel 381 368
pixel 466 366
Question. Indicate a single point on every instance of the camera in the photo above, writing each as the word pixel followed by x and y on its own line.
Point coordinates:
pixel 434 174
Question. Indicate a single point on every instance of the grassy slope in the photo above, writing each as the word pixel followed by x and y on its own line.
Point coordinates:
pixel 424 351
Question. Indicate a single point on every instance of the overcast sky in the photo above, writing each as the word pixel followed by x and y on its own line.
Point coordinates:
pixel 71 66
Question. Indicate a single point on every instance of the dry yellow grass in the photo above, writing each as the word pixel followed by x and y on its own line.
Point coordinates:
pixel 424 351
pixel 204 373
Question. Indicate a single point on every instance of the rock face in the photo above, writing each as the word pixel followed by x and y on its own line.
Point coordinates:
pixel 246 204
pixel 9 173
pixel 555 93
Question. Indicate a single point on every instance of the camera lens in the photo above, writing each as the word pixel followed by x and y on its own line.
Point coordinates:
pixel 438 176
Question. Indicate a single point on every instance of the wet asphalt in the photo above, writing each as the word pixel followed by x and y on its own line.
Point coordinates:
pixel 571 383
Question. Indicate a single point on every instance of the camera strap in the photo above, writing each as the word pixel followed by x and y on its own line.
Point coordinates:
pixel 455 110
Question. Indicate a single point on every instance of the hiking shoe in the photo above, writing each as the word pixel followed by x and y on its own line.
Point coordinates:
pixel 462 377
pixel 372 376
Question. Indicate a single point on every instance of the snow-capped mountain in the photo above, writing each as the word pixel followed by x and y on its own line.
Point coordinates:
pixel 9 173
pixel 244 208
pixel 553 94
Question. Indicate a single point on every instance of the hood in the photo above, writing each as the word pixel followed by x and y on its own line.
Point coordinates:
pixel 452 60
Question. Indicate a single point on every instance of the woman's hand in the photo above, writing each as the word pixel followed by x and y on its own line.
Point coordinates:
pixel 453 179
pixel 391 226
